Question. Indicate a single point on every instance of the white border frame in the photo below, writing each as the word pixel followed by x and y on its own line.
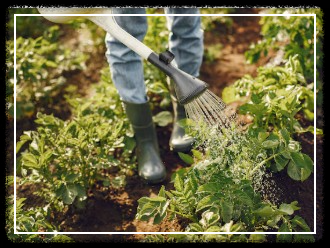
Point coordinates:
pixel 15 232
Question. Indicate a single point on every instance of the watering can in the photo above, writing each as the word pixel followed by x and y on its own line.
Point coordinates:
pixel 187 87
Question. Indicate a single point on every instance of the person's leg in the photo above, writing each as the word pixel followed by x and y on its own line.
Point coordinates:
pixel 125 65
pixel 186 43
pixel 127 74
pixel 186 39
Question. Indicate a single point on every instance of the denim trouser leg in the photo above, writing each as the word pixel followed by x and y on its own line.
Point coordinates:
pixel 186 39
pixel 186 42
pixel 125 65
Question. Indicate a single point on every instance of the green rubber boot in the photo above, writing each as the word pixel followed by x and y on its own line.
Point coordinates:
pixel 150 166
pixel 179 141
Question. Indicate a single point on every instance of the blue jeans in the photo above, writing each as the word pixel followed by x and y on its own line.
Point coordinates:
pixel 185 42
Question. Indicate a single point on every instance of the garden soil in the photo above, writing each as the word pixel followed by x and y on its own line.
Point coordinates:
pixel 115 210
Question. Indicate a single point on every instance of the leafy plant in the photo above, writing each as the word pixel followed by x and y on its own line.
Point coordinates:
pixel 221 187
pixel 29 220
pixel 66 158
pixel 40 65
pixel 293 35
pixel 275 96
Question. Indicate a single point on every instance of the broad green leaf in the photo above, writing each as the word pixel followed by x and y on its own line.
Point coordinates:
pixel 226 211
pixel 209 217
pixel 287 209
pixel 229 94
pixel 257 238
pixel 23 139
pixel 265 211
pixel 29 160
pixel 209 188
pixel 195 227
pixel 197 154
pixel 298 159
pixel 300 222
pixel 157 199
pixel 300 167
pixel 284 237
pixel 163 118
pixel 280 162
pixel 294 171
pixel 186 158
pixel 68 193
pixel 308 162
pixel 243 197
pixel 262 136
pixel 213 229
pixel 270 144
pixel 207 201
pixel 71 177
pixel 286 135
pixel 255 98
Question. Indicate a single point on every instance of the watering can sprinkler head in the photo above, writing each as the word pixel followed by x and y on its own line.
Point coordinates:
pixel 187 87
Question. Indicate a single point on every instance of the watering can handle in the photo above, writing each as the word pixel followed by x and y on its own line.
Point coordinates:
pixel 109 24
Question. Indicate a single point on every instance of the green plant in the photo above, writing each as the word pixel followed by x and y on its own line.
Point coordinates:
pixel 26 26
pixel 293 35
pixel 210 22
pixel 212 52
pixel 66 158
pixel 40 65
pixel 29 220
pixel 275 96
pixel 222 185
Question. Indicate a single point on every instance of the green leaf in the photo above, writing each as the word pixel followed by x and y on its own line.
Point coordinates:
pixel 303 238
pixel 226 210
pixel 284 237
pixel 286 209
pixel 209 188
pixel 300 222
pixel 195 227
pixel 265 211
pixel 268 144
pixel 178 183
pixel 255 98
pixel 207 201
pixel 181 172
pixel 243 197
pixel 68 193
pixel 186 158
pixel 213 229
pixel 294 171
pixel 262 136
pixel 209 217
pixel 257 238
pixel 300 167
pixel 29 160
pixel 280 162
pixel 286 135
pixel 23 139
pixel 197 154
pixel 163 118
